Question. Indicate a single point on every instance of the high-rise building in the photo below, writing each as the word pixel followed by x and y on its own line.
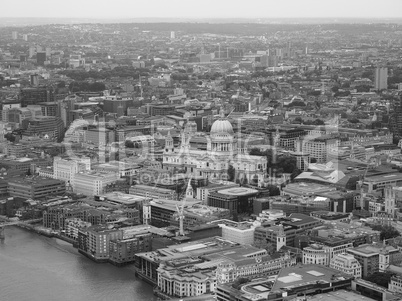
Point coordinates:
pixel 48 52
pixel 395 119
pixel 381 78
pixel 41 58
pixel 14 35
pixel 49 127
pixel 32 96
pixel 32 51
pixel 25 37
pixel 34 79
pixel 172 35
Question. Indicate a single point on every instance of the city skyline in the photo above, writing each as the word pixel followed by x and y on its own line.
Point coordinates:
pixel 207 9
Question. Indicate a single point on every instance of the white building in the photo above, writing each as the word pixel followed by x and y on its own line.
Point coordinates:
pixel 242 233
pixel 270 215
pixel 93 183
pixel 222 152
pixel 175 282
pixel 66 168
pixel 73 225
pixel 316 254
pixel 347 264
pixel 317 147
pixel 322 254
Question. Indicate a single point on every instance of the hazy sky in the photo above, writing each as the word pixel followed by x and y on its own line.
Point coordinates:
pixel 201 8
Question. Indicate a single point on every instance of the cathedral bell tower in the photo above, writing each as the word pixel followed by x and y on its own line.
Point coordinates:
pixel 280 238
pixel 169 147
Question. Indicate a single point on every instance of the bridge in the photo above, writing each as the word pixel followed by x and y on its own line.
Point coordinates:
pixel 9 223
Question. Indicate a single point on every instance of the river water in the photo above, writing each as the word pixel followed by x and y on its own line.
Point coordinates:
pixel 34 267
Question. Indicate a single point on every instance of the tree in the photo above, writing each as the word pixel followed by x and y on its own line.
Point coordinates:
pixel 256 152
pixel 298 119
pixel 380 278
pixel 129 144
pixel 387 232
pixel 10 137
pixel 295 173
pixel 335 89
pixel 354 120
pixel 273 190
pixel 61 84
pixel 231 173
pixel 239 281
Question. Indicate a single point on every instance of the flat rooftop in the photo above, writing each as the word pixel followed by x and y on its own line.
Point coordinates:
pixel 339 295
pixel 122 198
pixel 238 191
pixel 384 177
pixel 301 275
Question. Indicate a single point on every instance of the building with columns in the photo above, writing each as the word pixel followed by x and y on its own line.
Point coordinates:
pixel 222 152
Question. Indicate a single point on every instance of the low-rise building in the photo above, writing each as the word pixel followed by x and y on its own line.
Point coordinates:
pixel 116 245
pixel 375 257
pixel 35 187
pixel 92 183
pixel 347 264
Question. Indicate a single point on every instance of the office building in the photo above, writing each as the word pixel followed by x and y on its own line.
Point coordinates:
pixel 41 58
pixel 34 80
pixel 347 264
pixel 381 78
pixel 48 127
pixel 317 148
pixel 33 96
pixel 66 168
pixel 239 232
pixel 236 200
pixel 99 136
pixel 117 104
pixel 153 192
pixel 375 257
pixel 35 188
pixel 284 231
pixel 92 183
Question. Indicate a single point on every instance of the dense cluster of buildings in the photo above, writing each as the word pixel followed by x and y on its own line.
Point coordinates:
pixel 259 169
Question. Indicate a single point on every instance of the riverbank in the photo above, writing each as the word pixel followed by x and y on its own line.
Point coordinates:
pixel 36 268
pixel 47 232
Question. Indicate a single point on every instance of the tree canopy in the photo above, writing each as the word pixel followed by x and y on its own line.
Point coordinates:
pixel 280 164
pixel 387 232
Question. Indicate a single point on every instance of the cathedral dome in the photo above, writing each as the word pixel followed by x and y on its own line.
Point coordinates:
pixel 222 126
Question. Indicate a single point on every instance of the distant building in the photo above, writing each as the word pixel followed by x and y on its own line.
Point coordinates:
pixel 34 80
pixel 32 96
pixel 48 127
pixel 41 58
pixel 381 78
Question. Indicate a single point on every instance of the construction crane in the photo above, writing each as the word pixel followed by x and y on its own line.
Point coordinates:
pixel 180 210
